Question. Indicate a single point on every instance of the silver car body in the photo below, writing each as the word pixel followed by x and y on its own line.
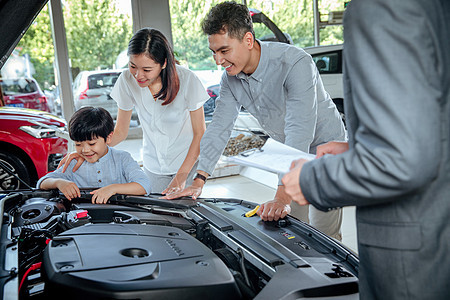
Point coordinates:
pixel 93 88
pixel 328 60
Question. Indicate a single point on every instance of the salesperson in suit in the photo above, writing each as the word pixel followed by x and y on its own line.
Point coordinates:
pixel 396 166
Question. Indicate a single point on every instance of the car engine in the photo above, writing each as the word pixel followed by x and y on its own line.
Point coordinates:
pixel 146 247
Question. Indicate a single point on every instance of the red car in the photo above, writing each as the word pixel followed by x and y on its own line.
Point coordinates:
pixel 24 93
pixel 29 145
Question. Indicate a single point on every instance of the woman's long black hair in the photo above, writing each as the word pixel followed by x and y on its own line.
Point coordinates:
pixel 153 43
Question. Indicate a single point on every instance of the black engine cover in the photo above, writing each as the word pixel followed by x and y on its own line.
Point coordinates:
pixel 134 261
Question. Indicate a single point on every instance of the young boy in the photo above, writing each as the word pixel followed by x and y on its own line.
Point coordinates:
pixel 109 170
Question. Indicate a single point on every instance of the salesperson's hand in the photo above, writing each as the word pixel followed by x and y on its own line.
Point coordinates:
pixel 331 148
pixel 291 182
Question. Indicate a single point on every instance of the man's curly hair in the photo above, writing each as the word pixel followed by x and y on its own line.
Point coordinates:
pixel 229 17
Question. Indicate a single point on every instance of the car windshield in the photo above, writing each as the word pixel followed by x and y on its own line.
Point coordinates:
pixel 18 86
pixel 98 81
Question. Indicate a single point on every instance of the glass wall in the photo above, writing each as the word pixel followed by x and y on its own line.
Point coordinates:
pixel 293 17
pixel 98 32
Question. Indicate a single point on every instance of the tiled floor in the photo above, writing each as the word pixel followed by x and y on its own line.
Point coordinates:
pixel 244 188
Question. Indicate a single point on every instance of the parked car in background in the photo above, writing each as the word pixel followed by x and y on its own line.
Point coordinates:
pixel 328 60
pixel 30 145
pixel 277 35
pixel 210 105
pixel 54 101
pixel 24 93
pixel 93 88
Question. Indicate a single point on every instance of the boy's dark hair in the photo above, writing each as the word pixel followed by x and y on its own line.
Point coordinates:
pixel 89 122
pixel 154 44
pixel 228 17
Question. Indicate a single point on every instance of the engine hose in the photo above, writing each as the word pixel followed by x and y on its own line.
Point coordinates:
pixel 244 271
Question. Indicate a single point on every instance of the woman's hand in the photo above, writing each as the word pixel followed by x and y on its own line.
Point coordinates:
pixel 176 185
pixel 68 158
pixel 193 191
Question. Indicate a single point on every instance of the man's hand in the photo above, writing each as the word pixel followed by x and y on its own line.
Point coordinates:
pixel 102 195
pixel 68 188
pixel 193 190
pixel 277 208
pixel 273 210
pixel 68 158
pixel 291 182
pixel 331 148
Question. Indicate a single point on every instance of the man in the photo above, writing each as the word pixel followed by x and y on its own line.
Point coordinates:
pixel 280 86
pixel 396 167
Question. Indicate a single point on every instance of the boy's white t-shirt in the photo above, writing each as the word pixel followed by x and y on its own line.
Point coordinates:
pixel 167 130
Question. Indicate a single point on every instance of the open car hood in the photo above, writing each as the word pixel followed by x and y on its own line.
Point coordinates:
pixel 15 18
pixel 140 247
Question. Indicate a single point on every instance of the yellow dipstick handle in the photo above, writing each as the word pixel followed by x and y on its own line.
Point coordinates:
pixel 252 212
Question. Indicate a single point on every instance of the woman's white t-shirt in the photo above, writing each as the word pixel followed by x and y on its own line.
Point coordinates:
pixel 167 130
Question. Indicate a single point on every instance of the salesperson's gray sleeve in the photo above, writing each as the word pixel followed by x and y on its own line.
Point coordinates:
pixel 219 130
pixel 393 113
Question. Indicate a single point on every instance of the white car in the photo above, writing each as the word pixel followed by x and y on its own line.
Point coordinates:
pixel 93 88
pixel 328 60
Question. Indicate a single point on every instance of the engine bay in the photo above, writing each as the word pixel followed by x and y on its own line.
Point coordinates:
pixel 145 247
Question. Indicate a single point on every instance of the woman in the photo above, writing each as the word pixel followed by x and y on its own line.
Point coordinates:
pixel 169 101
